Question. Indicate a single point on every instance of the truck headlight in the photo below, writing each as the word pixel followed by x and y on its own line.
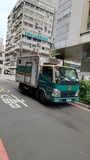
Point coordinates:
pixel 56 93
pixel 77 93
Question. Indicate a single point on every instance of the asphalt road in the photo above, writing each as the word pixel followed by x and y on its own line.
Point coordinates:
pixel 31 131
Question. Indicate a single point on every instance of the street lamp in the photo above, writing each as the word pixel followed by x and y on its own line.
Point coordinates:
pixel 20 48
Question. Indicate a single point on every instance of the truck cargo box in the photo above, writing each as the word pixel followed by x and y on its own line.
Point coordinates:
pixel 27 70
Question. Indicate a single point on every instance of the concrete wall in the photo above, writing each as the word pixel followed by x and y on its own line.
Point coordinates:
pixel 85 16
pixel 85 65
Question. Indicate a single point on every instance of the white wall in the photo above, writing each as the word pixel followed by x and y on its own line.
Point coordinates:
pixel 62 23
pixel 85 37
pixel 75 22
pixel 72 30
pixel 2 56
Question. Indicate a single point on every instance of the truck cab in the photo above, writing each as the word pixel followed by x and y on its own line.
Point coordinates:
pixel 58 84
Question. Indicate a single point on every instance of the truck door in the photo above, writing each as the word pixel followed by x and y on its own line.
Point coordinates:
pixel 28 72
pixel 46 82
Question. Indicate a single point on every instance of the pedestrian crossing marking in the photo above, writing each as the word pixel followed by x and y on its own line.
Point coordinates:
pixel 13 101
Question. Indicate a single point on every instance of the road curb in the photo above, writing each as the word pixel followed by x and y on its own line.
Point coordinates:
pixel 84 105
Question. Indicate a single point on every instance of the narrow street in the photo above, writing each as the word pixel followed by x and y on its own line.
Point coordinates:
pixel 32 131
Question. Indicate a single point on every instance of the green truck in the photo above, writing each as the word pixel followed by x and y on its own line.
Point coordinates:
pixel 44 77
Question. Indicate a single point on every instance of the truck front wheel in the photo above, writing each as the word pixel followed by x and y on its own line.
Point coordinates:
pixel 42 97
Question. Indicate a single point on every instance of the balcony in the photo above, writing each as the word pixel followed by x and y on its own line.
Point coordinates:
pixel 6 63
pixel 7 59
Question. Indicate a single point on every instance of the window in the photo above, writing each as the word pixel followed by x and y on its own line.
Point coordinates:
pixel 44 42
pixel 31 25
pixel 24 43
pixel 51 20
pixel 30 19
pixel 27 4
pixel 26 10
pixel 0 54
pixel 45 30
pixel 42 10
pixel 66 74
pixel 34 39
pixel 40 28
pixel 39 15
pixel 47 73
pixel 47 49
pixel 50 26
pixel 43 48
pixel 29 38
pixel 51 14
pixel 25 23
pixel 29 44
pixel 39 22
pixel 49 31
pixel 26 17
pixel 37 8
pixel 1 62
pixel 32 6
pixel 38 40
pixel 36 27
pixel 31 12
pixel 33 45
pixel 41 4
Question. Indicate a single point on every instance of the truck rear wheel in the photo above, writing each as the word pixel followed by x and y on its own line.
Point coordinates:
pixel 37 94
pixel 21 87
pixel 42 97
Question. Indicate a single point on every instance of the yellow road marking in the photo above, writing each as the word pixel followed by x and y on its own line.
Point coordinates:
pixel 3 89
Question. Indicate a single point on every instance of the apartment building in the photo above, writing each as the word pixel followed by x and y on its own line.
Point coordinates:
pixel 29 29
pixel 71 33
pixel 2 56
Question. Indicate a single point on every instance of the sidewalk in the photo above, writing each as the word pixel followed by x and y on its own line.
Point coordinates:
pixel 84 105
pixel 8 77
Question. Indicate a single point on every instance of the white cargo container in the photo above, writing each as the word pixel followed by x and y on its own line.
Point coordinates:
pixel 28 69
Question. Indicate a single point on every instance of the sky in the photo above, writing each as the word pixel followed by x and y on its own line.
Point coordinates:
pixel 5 9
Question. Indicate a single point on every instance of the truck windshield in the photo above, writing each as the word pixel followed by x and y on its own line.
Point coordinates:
pixel 65 74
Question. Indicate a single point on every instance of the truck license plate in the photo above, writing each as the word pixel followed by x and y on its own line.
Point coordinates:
pixel 68 100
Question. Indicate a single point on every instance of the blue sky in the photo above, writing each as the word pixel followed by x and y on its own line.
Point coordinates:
pixel 5 8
